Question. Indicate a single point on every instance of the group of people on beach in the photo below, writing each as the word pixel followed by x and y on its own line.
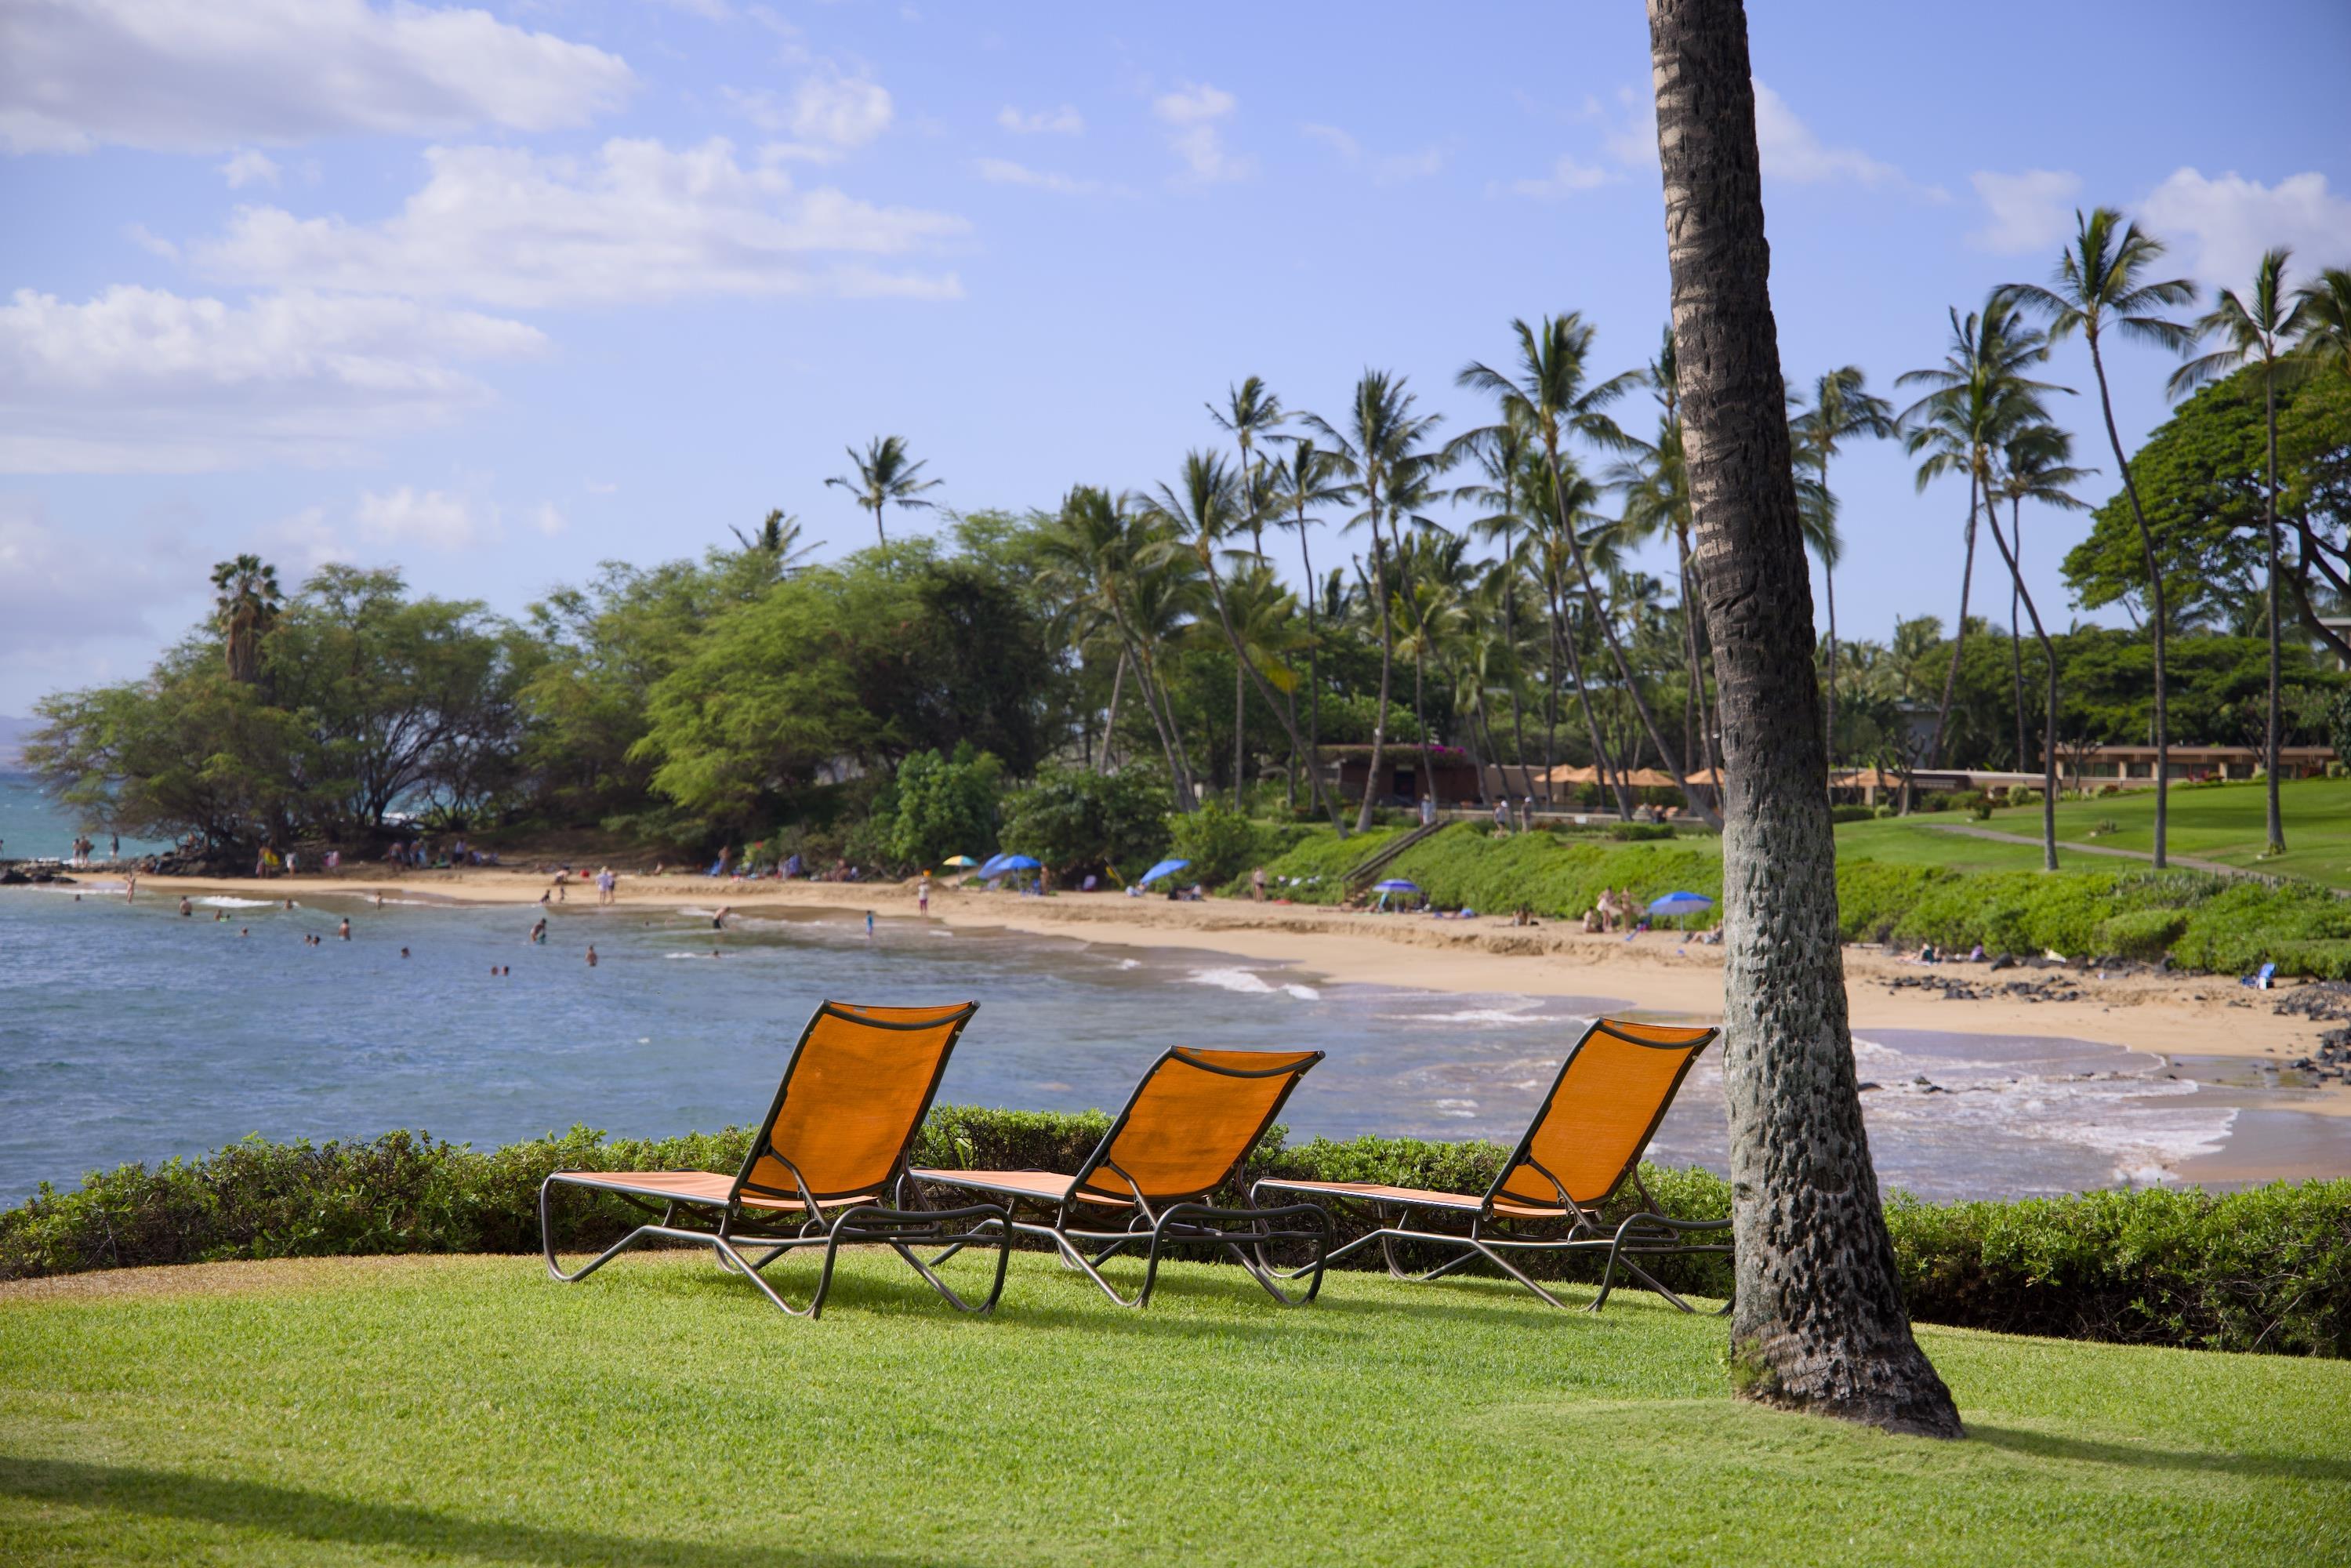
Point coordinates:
pixel 1614 906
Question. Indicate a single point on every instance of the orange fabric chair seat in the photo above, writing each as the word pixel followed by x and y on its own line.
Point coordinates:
pixel 1047 1187
pixel 1420 1197
pixel 696 1186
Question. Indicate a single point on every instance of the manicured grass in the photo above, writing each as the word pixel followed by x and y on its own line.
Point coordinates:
pixel 1918 841
pixel 470 1410
pixel 2224 823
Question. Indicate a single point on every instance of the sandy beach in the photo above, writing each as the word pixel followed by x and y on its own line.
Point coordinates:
pixel 2203 1016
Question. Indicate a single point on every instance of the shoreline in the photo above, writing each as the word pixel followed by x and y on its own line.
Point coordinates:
pixel 2170 1015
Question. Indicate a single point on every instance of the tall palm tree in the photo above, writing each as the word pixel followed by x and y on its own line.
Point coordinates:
pixel 2035 464
pixel 885 477
pixel 1250 410
pixel 1270 634
pixel 1108 556
pixel 1201 509
pixel 2326 320
pixel 1308 479
pixel 2257 328
pixel 1502 453
pixel 1653 484
pixel 1564 492
pixel 1381 435
pixel 1977 395
pixel 1550 394
pixel 1816 512
pixel 1841 407
pixel 2102 282
pixel 1817 1318
pixel 778 539
pixel 245 603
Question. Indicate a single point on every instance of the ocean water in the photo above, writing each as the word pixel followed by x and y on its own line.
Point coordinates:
pixel 128 1032
pixel 33 826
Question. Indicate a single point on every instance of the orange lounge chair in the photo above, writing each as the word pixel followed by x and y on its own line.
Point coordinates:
pixel 1190 1122
pixel 1584 1142
pixel 834 1142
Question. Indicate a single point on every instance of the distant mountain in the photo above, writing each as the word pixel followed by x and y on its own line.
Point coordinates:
pixel 14 733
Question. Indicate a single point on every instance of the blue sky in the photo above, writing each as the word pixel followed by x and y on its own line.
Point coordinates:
pixel 493 296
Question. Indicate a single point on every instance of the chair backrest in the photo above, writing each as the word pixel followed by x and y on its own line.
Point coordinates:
pixel 1194 1117
pixel 852 1094
pixel 1602 1108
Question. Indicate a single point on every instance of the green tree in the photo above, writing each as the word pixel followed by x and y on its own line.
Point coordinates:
pixel 944 806
pixel 1840 409
pixel 885 476
pixel 1219 841
pixel 1310 480
pixel 2101 282
pixel 2255 332
pixel 1251 412
pixel 245 606
pixel 1076 822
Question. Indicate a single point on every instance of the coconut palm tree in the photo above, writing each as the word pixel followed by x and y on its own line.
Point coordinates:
pixel 1817 1318
pixel 1201 509
pixel 2257 328
pixel 1381 435
pixel 1501 453
pixel 1841 408
pixel 1270 634
pixel 779 539
pixel 1564 492
pixel 1308 478
pixel 245 603
pixel 2326 307
pixel 1552 397
pixel 885 477
pixel 1250 412
pixel 1976 397
pixel 1816 511
pixel 2035 464
pixel 2102 282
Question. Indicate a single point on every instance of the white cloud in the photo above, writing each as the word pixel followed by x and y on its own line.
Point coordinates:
pixel 142 381
pixel 708 10
pixel 249 168
pixel 1005 171
pixel 1348 149
pixel 197 75
pixel 1567 177
pixel 833 115
pixel 1385 171
pixel 434 520
pixel 1792 153
pixel 601 487
pixel 1195 108
pixel 1062 121
pixel 2230 221
pixel 2033 211
pixel 302 543
pixel 549 519
pixel 54 592
pixel 636 222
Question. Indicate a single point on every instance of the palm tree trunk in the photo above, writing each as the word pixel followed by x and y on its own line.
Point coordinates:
pixel 2016 653
pixel 2049 654
pixel 1387 669
pixel 1110 725
pixel 1707 727
pixel 1314 679
pixel 1959 635
pixel 878 534
pixel 1828 580
pixel 1240 718
pixel 1232 638
pixel 1818 1321
pixel 2269 499
pixel 2157 611
pixel 1564 636
pixel 1616 648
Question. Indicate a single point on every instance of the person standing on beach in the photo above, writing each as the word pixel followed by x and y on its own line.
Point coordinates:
pixel 1257 884
pixel 923 895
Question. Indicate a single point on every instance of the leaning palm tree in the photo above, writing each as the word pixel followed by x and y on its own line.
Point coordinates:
pixel 1201 510
pixel 884 478
pixel 1816 511
pixel 1977 395
pixel 246 602
pixel 1500 451
pixel 1269 634
pixel 1841 407
pixel 1550 394
pixel 2256 329
pixel 1565 492
pixel 2035 464
pixel 1817 1318
pixel 1250 410
pixel 1378 435
pixel 2326 307
pixel 2101 282
pixel 1308 479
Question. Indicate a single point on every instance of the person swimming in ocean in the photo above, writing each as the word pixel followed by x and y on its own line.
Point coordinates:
pixel 403 952
pixel 591 954
pixel 346 928
pixel 186 908
pixel 718 921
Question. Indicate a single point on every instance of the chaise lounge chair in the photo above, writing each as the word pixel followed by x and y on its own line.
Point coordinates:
pixel 834 1142
pixel 1190 1122
pixel 1584 1143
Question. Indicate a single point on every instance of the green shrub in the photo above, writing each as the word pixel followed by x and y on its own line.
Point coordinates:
pixel 1638 832
pixel 2268 1269
pixel 1853 813
pixel 1219 840
pixel 2141 933
pixel 1076 820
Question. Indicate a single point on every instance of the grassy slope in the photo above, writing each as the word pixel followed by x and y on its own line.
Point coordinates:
pixel 660 1413
pixel 2225 824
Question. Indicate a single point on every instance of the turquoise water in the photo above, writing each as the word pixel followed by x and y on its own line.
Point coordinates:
pixel 33 826
pixel 128 1032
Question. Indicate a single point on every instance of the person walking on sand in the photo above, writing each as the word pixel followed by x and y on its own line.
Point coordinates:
pixel 1257 884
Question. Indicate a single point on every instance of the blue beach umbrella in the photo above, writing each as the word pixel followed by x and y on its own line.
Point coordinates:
pixel 1162 868
pixel 1017 862
pixel 991 867
pixel 1395 885
pixel 1681 903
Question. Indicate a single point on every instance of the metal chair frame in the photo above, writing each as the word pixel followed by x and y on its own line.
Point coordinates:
pixel 902 1224
pixel 1247 1234
pixel 1491 1234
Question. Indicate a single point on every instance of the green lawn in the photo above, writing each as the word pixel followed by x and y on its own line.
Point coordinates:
pixel 2225 824
pixel 471 1410
pixel 1917 841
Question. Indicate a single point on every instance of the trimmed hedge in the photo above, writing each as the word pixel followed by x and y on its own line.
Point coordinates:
pixel 2266 1270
